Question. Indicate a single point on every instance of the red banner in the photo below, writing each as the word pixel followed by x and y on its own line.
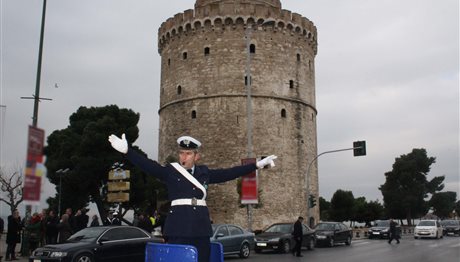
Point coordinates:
pixel 32 179
pixel 249 188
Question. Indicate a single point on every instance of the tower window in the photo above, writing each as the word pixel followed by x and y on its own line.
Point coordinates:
pixel 246 80
pixel 298 57
pixel 291 83
pixel 179 90
pixel 252 48
pixel 169 61
pixel 184 55
pixel 193 114
pixel 207 50
pixel 283 113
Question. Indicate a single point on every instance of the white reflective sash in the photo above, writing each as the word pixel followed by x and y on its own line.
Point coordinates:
pixel 189 177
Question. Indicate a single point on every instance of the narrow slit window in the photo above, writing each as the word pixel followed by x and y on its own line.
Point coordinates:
pixel 184 55
pixel 193 114
pixel 252 48
pixel 283 113
pixel 207 50
pixel 291 83
pixel 298 57
pixel 179 90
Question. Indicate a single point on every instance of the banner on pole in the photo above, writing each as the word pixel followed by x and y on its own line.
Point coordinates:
pixel 249 186
pixel 34 166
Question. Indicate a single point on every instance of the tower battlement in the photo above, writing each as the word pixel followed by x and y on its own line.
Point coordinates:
pixel 224 15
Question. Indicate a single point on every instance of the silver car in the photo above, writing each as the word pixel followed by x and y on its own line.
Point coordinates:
pixel 234 239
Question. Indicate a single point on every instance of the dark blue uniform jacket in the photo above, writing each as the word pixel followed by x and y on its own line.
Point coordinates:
pixel 185 220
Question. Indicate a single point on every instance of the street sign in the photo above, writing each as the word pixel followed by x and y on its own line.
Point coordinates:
pixel 118 197
pixel 118 186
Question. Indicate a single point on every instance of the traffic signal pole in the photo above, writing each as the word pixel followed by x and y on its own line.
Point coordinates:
pixel 359 146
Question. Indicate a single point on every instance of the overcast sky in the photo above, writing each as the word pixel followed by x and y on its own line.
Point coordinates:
pixel 386 72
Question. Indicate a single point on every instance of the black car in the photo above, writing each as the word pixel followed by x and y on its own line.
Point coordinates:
pixel 105 243
pixel 330 233
pixel 381 229
pixel 234 239
pixel 279 237
pixel 451 227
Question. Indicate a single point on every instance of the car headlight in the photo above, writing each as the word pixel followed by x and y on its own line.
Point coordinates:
pixel 274 239
pixel 58 254
pixel 385 230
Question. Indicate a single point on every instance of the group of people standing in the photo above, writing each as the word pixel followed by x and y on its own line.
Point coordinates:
pixel 42 228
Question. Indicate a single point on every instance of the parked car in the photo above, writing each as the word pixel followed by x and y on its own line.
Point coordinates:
pixel 428 228
pixel 451 227
pixel 234 239
pixel 330 233
pixel 279 237
pixel 105 243
pixel 381 229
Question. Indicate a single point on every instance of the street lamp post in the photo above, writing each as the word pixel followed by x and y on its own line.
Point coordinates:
pixel 248 81
pixel 61 172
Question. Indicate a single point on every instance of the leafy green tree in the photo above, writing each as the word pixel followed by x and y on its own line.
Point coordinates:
pixel 342 205
pixel 443 203
pixel 457 208
pixel 406 186
pixel 83 148
pixel 365 212
pixel 324 207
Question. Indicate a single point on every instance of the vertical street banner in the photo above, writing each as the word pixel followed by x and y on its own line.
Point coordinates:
pixel 34 166
pixel 249 187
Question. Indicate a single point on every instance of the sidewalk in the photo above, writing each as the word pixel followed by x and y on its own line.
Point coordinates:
pixel 3 250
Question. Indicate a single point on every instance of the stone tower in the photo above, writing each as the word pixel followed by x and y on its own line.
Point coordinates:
pixel 208 55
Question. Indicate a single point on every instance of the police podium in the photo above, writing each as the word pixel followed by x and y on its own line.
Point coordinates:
pixel 156 252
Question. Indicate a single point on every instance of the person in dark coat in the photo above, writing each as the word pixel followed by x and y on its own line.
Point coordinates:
pixel 64 229
pixel 13 235
pixel 298 237
pixel 51 223
pixel 94 221
pixel 394 232
pixel 145 223
pixel 188 220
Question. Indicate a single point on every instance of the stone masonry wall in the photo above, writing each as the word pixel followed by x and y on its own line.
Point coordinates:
pixel 203 94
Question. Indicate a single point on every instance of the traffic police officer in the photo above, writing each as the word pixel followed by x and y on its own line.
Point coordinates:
pixel 188 220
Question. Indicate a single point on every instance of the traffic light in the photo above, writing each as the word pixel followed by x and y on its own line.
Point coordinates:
pixel 359 148
pixel 311 201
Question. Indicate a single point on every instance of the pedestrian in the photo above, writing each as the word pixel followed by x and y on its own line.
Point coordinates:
pixel 298 237
pixel 34 228
pixel 394 234
pixel 94 221
pixel 81 220
pixel 145 223
pixel 71 219
pixel 188 220
pixel 64 229
pixel 13 235
pixel 116 221
pixel 51 232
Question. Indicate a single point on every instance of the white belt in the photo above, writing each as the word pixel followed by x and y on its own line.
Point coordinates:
pixel 188 202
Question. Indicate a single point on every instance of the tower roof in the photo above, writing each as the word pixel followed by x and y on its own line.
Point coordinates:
pixel 273 3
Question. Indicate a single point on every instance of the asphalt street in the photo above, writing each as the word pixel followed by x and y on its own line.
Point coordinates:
pixel 410 249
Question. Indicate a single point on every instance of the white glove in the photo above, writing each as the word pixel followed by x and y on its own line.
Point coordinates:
pixel 121 145
pixel 266 161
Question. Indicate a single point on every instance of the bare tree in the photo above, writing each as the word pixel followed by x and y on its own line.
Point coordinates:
pixel 11 188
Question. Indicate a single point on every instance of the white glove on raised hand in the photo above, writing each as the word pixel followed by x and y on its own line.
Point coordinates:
pixel 266 161
pixel 121 145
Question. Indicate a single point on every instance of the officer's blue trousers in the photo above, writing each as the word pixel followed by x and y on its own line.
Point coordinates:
pixel 202 244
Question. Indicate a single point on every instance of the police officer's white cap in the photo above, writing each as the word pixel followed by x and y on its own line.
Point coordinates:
pixel 188 142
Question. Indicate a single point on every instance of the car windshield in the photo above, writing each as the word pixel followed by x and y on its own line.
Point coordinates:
pixel 450 222
pixel 426 223
pixel 88 233
pixel 325 226
pixel 382 223
pixel 279 228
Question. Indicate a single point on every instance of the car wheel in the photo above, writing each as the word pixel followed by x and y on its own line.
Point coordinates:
pixel 311 244
pixel 348 242
pixel 331 242
pixel 437 236
pixel 415 237
pixel 244 251
pixel 286 246
pixel 85 257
